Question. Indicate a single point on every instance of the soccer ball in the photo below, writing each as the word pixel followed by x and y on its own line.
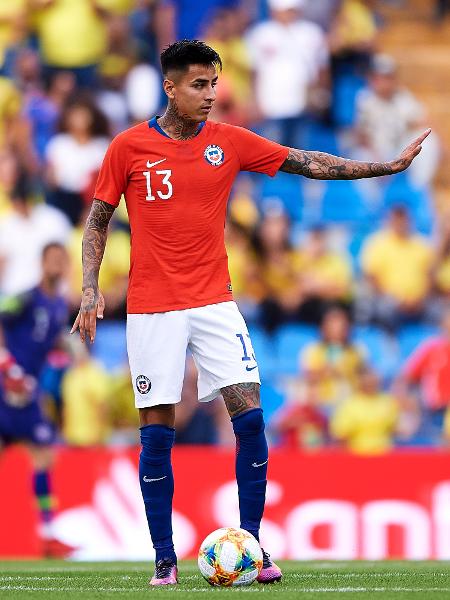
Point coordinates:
pixel 229 557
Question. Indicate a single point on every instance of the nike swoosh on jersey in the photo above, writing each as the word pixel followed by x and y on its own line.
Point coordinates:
pixel 150 165
pixel 255 464
pixel 247 368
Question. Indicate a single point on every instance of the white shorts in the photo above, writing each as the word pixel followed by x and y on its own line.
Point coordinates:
pixel 217 337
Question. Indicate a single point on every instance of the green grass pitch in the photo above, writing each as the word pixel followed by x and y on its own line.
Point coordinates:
pixel 56 580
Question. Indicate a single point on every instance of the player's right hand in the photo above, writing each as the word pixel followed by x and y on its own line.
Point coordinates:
pixel 91 309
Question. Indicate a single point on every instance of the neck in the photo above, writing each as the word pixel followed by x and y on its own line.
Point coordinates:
pixel 176 125
pixel 49 287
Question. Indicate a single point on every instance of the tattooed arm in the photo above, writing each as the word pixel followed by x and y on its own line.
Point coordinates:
pixel 94 242
pixel 319 165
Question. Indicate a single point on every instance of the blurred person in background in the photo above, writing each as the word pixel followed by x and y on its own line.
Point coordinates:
pixel 72 34
pixel 277 270
pixel 388 114
pixel 85 389
pixel 289 57
pixel 24 232
pixel 301 422
pixel 429 368
pixel 332 363
pixel 440 277
pixel 396 263
pixel 366 421
pixel 184 19
pixel 352 43
pixel 225 34
pixel 13 30
pixel 74 155
pixel 326 275
pixel 115 267
pixel 30 326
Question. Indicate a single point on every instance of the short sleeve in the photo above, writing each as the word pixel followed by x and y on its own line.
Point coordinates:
pixel 256 153
pixel 113 176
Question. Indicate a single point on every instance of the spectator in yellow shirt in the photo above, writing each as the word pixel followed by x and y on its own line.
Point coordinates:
pixel 326 275
pixel 13 25
pixel 366 421
pixel 72 34
pixel 333 362
pixel 397 266
pixel 85 393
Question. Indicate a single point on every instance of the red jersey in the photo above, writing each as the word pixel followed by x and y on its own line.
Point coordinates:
pixel 430 366
pixel 176 193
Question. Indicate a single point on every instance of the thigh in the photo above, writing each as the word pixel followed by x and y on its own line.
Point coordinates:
pixel 156 345
pixel 222 348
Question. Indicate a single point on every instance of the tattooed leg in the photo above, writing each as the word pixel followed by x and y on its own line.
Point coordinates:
pixel 243 405
pixel 241 397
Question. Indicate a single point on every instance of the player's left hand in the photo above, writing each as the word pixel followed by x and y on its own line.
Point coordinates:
pixel 409 154
pixel 91 309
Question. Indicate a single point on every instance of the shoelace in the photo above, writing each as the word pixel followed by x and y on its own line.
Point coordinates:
pixel 266 559
pixel 163 568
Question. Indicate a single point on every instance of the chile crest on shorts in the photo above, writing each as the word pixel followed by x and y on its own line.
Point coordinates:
pixel 143 384
pixel 214 155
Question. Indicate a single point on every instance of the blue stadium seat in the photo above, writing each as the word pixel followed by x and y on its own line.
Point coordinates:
pixel 382 352
pixel 290 340
pixel 272 399
pixel 411 336
pixel 343 203
pixel 418 201
pixel 110 346
pixel 264 351
pixel 286 188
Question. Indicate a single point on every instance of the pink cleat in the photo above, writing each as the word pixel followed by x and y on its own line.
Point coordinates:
pixel 270 573
pixel 166 573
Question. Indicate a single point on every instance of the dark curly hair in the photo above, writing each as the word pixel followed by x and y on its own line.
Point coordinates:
pixel 180 55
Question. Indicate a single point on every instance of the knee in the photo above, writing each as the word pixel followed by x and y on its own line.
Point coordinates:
pixel 249 423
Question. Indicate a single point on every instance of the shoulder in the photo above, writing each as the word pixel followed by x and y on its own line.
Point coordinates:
pixel 131 134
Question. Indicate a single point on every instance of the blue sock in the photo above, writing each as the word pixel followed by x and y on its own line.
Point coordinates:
pixel 156 479
pixel 43 493
pixel 251 468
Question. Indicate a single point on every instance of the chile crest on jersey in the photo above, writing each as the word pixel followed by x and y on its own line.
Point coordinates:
pixel 214 155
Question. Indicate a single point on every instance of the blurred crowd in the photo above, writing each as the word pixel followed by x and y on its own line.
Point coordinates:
pixel 345 285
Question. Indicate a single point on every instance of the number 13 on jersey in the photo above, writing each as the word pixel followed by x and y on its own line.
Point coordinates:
pixel 166 173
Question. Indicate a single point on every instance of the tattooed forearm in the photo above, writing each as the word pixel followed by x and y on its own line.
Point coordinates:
pixel 94 242
pixel 241 397
pixel 319 165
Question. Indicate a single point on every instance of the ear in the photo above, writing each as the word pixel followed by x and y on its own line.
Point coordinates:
pixel 169 86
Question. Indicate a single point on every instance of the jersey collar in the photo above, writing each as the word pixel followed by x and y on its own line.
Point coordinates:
pixel 153 124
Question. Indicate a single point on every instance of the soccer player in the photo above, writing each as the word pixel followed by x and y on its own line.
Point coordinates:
pixel 176 172
pixel 29 327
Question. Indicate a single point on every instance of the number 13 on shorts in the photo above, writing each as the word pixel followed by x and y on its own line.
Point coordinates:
pixel 247 350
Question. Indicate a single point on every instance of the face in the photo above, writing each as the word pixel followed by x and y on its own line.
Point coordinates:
pixel 383 85
pixel 274 230
pixel 286 16
pixel 336 327
pixel 399 223
pixel 193 91
pixel 368 381
pixel 79 119
pixel 54 264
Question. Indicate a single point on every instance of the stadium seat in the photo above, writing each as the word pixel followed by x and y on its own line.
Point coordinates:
pixel 382 352
pixel 286 188
pixel 290 341
pixel 343 203
pixel 272 399
pixel 411 336
pixel 418 201
pixel 110 347
pixel 263 347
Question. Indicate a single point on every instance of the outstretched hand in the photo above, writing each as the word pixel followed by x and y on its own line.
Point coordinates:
pixel 409 153
pixel 91 309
